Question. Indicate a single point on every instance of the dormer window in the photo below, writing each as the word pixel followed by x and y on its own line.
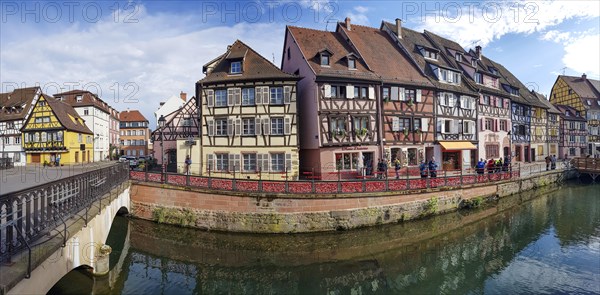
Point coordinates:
pixel 79 98
pixel 430 54
pixel 458 57
pixel 325 59
pixel 589 102
pixel 351 63
pixel 474 63
pixel 478 77
pixel 493 70
pixel 236 67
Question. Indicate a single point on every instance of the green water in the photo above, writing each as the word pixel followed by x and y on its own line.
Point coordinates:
pixel 534 243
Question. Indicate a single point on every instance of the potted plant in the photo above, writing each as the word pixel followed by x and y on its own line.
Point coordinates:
pixel 362 132
pixel 410 102
pixel 405 131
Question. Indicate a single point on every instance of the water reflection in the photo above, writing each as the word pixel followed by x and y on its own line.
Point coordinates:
pixel 549 244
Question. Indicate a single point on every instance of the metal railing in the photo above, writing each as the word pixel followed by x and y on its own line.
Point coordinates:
pixel 389 183
pixel 29 214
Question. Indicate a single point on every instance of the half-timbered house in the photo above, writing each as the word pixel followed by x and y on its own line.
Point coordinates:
pixel 582 94
pixel 249 117
pixel 406 104
pixel 573 133
pixel 15 108
pixel 54 129
pixel 552 128
pixel 337 100
pixel 178 138
pixel 455 100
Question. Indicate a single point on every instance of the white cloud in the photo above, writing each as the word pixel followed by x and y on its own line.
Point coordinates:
pixel 581 55
pixel 556 36
pixel 159 60
pixel 358 15
pixel 488 21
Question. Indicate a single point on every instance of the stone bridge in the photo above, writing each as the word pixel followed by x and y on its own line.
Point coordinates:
pixel 48 230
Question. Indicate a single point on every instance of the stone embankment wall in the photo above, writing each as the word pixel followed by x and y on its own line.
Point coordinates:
pixel 261 213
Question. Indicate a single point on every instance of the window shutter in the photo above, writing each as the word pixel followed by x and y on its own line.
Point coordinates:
pixel 288 162
pixel 237 162
pixel 256 126
pixel 237 96
pixel 327 90
pixel 238 126
pixel 210 98
pixel 496 125
pixel 258 97
pixel 424 124
pixel 371 92
pixel 210 162
pixel 394 94
pixel 259 158
pixel 418 95
pixel 349 91
pixel 287 94
pixel 231 162
pixel 482 124
pixel 454 126
pixel 230 127
pixel 287 127
pixel 266 95
pixel 266 126
pixel 265 163
pixel 481 100
pixel 441 126
pixel 472 127
pixel 230 97
pixel 402 94
pixel 211 127
pixel 506 103
pixel 395 124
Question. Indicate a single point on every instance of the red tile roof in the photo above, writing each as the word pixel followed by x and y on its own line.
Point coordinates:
pixel 87 99
pixel 132 116
pixel 62 111
pixel 15 105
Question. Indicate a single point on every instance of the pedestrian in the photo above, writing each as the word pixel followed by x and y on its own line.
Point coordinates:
pixel 397 168
pixel 480 166
pixel 188 162
pixel 380 169
pixel 58 160
pixel 490 166
pixel 547 163
pixel 423 169
pixel 553 162
pixel 433 168
pixel 505 164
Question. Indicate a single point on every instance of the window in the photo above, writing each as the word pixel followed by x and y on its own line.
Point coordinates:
pixel 187 121
pixel 386 93
pixel 17 140
pixel 276 126
pixel 248 127
pixel 403 124
pixel 478 77
pixel 7 140
pixel 521 130
pixel 278 162
pixel 79 98
pixel 361 125
pixel 338 124
pixel 221 127
pixel 492 151
pixel 468 127
pixel 570 91
pixel 458 57
pixel 352 63
pixel 249 164
pixel 416 125
pixel 447 126
pixel 474 62
pixel 220 98
pixel 571 151
pixel 324 59
pixel 86 112
pixel 410 95
pixel 248 96
pixel 493 70
pixel 338 91
pixel 222 162
pixel 486 100
pixel 346 161
pixel 430 54
pixel 236 67
pixel 128 142
pixel 364 92
pixel 503 125
pixel 276 95
pixel 489 124
pixel 80 138
pixel 447 99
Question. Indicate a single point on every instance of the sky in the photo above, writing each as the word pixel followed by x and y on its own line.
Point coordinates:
pixel 135 54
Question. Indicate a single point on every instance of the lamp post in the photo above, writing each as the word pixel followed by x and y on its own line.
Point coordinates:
pixel 161 125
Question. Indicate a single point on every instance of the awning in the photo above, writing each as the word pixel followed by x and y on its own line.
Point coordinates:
pixel 457 145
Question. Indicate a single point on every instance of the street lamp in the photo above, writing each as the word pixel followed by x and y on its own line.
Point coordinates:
pixel 161 125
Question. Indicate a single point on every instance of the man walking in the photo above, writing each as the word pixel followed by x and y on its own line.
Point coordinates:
pixel 433 168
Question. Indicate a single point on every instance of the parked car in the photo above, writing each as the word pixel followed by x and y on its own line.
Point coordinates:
pixel 133 162
pixel 123 159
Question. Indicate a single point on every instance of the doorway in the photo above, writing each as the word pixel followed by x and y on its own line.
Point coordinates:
pixel 368 163
pixel 527 154
pixel 35 158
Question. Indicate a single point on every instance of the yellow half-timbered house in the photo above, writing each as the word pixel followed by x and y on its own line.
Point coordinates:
pixel 56 134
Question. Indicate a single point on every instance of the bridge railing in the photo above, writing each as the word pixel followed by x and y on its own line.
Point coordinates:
pixel 380 183
pixel 29 214
pixel 591 165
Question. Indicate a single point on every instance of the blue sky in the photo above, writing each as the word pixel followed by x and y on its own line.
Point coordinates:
pixel 138 53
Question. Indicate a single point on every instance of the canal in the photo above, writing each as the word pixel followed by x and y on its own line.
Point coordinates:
pixel 541 242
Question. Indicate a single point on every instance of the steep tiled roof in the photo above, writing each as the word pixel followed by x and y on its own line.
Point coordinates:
pixel 64 112
pixel 585 88
pixel 132 116
pixel 411 40
pixel 313 42
pixel 525 97
pixel 546 102
pixel 87 99
pixel 16 104
pixel 254 66
pixel 562 109
pixel 385 59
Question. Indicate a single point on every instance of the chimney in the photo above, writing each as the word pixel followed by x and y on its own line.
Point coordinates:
pixel 399 28
pixel 348 25
pixel 183 96
pixel 478 51
pixel 584 76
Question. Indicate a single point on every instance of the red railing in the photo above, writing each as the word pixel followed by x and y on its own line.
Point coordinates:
pixel 346 186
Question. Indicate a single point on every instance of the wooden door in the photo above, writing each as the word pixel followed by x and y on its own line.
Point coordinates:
pixel 35 158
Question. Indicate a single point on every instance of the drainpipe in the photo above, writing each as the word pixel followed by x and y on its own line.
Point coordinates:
pixel 379 122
